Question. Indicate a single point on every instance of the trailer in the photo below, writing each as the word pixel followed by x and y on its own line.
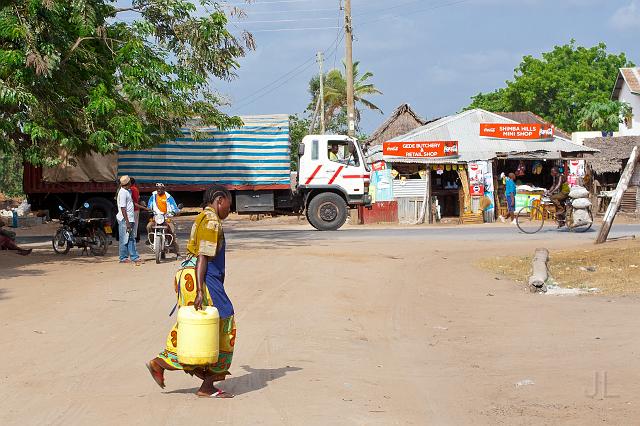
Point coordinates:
pixel 252 161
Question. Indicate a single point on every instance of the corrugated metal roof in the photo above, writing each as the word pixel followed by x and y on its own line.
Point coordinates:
pixel 465 128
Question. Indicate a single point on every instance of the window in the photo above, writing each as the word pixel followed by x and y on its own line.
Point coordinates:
pixel 338 151
pixel 315 150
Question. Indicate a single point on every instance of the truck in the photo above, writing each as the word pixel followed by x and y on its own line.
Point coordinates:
pixel 253 162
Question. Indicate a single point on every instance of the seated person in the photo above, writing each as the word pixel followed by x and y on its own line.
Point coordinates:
pixel 333 152
pixel 8 240
pixel 161 202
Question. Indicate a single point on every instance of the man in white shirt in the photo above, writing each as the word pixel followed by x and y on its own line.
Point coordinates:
pixel 126 221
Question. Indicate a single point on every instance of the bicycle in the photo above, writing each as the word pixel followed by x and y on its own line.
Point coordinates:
pixel 530 219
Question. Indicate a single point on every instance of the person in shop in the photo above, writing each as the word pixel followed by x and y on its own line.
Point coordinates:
pixel 558 193
pixel 510 195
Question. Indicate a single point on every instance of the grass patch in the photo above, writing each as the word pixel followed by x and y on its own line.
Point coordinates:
pixel 613 268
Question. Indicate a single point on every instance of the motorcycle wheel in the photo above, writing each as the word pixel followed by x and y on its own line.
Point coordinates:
pixel 158 247
pixel 60 243
pixel 99 248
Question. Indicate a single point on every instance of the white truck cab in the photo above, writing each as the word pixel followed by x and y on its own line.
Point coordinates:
pixel 333 177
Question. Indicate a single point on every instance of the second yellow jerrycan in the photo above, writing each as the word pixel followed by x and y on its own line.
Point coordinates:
pixel 198 335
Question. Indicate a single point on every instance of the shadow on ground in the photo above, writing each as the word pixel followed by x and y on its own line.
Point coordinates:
pixel 254 380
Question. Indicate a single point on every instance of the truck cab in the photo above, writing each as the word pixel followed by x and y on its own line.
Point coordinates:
pixel 333 177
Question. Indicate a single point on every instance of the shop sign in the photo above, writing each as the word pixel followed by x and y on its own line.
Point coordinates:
pixel 433 149
pixel 517 131
pixel 378 165
pixel 476 189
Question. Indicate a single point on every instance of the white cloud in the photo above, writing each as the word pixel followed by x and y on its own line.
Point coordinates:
pixel 626 17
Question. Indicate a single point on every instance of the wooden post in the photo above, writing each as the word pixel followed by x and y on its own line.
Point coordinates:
pixel 540 270
pixel 426 201
pixel 614 206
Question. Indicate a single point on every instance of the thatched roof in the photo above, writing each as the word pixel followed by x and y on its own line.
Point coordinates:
pixel 527 117
pixel 614 151
pixel 402 120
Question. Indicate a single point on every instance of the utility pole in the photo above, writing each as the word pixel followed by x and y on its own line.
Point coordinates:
pixel 321 95
pixel 348 29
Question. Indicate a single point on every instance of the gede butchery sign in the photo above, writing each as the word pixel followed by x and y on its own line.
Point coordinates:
pixel 516 131
pixel 433 149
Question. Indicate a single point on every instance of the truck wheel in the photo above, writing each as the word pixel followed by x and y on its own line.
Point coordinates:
pixel 327 212
pixel 100 208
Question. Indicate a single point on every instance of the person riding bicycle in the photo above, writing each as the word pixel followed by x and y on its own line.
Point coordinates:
pixel 558 193
pixel 162 203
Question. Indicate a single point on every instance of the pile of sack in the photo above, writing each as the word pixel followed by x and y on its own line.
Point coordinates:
pixel 581 205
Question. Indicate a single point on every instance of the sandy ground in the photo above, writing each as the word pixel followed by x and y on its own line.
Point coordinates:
pixel 369 331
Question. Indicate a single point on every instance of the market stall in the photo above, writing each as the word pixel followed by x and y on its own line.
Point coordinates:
pixel 468 186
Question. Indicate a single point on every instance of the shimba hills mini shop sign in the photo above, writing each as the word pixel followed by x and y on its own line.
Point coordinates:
pixel 515 131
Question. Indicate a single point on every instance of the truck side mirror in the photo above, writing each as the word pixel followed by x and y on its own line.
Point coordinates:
pixel 301 150
pixel 352 148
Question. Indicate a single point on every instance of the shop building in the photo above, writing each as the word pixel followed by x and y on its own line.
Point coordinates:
pixel 467 186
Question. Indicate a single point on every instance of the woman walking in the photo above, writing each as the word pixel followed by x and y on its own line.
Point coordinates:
pixel 200 283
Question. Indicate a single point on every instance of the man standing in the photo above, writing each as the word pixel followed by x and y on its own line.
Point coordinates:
pixel 135 195
pixel 558 193
pixel 510 196
pixel 126 223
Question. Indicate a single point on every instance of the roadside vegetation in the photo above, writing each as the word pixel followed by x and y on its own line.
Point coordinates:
pixel 613 268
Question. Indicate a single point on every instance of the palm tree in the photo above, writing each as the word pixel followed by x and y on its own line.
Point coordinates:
pixel 605 116
pixel 335 92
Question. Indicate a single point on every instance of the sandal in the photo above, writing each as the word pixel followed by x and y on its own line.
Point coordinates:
pixel 157 375
pixel 219 393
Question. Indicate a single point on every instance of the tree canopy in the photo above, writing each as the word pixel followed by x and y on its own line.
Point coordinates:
pixel 75 76
pixel 559 85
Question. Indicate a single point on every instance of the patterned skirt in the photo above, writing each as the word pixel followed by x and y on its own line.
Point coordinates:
pixel 185 287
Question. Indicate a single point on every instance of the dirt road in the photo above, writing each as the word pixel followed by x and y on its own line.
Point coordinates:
pixel 330 331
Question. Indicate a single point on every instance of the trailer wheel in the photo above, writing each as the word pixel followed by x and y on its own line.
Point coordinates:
pixel 102 208
pixel 327 212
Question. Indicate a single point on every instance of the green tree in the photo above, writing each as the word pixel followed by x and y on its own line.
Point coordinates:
pixel 77 77
pixel 335 94
pixel 605 116
pixel 298 129
pixel 558 85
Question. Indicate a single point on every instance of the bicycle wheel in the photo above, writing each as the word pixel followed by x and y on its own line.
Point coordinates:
pixel 530 219
pixel 579 228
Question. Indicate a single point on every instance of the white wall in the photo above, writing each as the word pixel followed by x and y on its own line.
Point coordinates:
pixel 634 101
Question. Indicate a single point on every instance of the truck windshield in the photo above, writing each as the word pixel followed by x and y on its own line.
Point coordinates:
pixel 338 151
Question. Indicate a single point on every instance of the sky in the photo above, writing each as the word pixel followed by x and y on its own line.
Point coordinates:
pixel 432 54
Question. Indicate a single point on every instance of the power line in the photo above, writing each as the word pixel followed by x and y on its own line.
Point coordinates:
pixel 293 29
pixel 439 6
pixel 280 12
pixel 291 75
pixel 281 20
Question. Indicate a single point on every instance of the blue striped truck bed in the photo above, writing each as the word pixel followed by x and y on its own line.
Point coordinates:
pixel 254 155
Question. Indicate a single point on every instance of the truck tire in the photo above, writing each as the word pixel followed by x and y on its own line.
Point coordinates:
pixel 100 207
pixel 327 212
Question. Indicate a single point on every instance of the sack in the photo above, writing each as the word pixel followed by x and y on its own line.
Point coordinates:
pixel 581 203
pixel 579 192
pixel 581 217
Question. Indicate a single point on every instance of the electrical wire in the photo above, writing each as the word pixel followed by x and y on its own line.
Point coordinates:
pixel 281 20
pixel 439 6
pixel 275 30
pixel 309 63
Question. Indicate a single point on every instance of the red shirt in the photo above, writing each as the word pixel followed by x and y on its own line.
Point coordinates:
pixel 135 195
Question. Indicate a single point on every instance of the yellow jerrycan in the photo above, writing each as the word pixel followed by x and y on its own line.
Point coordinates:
pixel 198 335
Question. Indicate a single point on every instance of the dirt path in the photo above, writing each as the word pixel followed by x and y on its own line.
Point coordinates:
pixel 382 332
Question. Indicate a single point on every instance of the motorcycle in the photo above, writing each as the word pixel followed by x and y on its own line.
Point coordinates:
pixel 161 239
pixel 76 231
